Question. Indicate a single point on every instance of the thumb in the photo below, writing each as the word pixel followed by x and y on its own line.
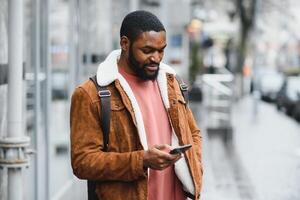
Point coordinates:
pixel 162 146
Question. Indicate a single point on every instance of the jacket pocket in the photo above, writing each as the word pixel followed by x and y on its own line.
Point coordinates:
pixel 122 137
pixel 181 99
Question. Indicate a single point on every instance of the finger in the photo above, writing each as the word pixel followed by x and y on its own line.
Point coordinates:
pixel 168 147
pixel 162 154
pixel 180 155
pixel 157 149
pixel 177 158
pixel 165 165
pixel 160 166
pixel 168 157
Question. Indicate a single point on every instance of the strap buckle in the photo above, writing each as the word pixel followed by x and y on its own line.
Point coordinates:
pixel 104 93
pixel 183 87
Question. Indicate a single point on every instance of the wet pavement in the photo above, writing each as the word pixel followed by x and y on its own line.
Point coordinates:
pixel 262 162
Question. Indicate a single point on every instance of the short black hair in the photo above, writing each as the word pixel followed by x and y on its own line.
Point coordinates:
pixel 138 22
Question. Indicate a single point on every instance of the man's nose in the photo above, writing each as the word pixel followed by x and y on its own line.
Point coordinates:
pixel 156 57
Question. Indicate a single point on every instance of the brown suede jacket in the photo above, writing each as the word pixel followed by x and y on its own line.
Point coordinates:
pixel 120 170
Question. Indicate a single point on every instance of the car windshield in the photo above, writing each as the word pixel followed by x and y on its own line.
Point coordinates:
pixel 271 82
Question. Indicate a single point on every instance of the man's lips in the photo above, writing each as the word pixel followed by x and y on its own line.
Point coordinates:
pixel 152 67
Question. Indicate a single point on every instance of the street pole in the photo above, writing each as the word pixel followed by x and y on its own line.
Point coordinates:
pixel 73 44
pixel 46 64
pixel 134 5
pixel 256 94
pixel 37 88
pixel 164 16
pixel 16 141
pixel 39 138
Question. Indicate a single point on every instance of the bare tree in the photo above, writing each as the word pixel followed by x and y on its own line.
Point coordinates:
pixel 246 10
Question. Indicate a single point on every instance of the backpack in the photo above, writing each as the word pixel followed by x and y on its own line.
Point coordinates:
pixel 104 95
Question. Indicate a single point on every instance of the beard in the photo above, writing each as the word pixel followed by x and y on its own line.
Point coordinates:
pixel 140 69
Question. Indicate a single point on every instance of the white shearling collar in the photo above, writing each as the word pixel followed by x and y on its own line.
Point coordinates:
pixel 108 70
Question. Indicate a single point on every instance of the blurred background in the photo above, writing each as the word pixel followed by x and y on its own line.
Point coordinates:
pixel 241 59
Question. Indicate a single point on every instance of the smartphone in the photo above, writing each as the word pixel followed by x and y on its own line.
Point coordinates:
pixel 180 149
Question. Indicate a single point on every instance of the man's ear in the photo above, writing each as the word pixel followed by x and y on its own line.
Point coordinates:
pixel 124 43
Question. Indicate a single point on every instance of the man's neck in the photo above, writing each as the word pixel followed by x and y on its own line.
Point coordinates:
pixel 123 63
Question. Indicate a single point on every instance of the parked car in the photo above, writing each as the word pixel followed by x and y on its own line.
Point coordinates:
pixel 288 95
pixel 296 112
pixel 269 86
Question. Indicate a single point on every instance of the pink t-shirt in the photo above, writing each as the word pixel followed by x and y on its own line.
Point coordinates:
pixel 162 185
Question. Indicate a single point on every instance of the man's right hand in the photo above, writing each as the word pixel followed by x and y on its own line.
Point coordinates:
pixel 157 157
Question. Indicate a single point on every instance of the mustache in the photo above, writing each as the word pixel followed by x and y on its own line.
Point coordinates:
pixel 152 64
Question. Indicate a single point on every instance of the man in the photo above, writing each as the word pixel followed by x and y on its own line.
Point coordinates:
pixel 148 116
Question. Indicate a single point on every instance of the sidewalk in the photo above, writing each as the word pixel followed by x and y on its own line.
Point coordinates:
pixel 263 162
pixel 269 147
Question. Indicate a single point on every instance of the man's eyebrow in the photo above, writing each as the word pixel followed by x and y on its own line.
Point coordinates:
pixel 151 47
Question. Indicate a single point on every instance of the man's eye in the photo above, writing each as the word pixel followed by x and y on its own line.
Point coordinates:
pixel 146 51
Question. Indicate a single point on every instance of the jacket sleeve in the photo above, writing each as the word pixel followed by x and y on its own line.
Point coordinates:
pixel 196 135
pixel 87 159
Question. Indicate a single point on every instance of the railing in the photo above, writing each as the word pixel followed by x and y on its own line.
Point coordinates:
pixel 217 102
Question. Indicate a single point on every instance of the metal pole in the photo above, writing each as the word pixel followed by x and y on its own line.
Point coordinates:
pixel 15 92
pixel 73 38
pixel 80 47
pixel 47 65
pixel 36 57
pixel 134 5
pixel 106 7
pixel 256 94
pixel 164 16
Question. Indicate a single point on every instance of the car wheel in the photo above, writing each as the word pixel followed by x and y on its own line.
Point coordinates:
pixel 278 106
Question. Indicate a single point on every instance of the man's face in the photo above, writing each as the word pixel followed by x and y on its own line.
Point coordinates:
pixel 145 54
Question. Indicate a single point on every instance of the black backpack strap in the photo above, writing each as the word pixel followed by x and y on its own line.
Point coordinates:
pixel 184 89
pixel 104 95
pixel 91 187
